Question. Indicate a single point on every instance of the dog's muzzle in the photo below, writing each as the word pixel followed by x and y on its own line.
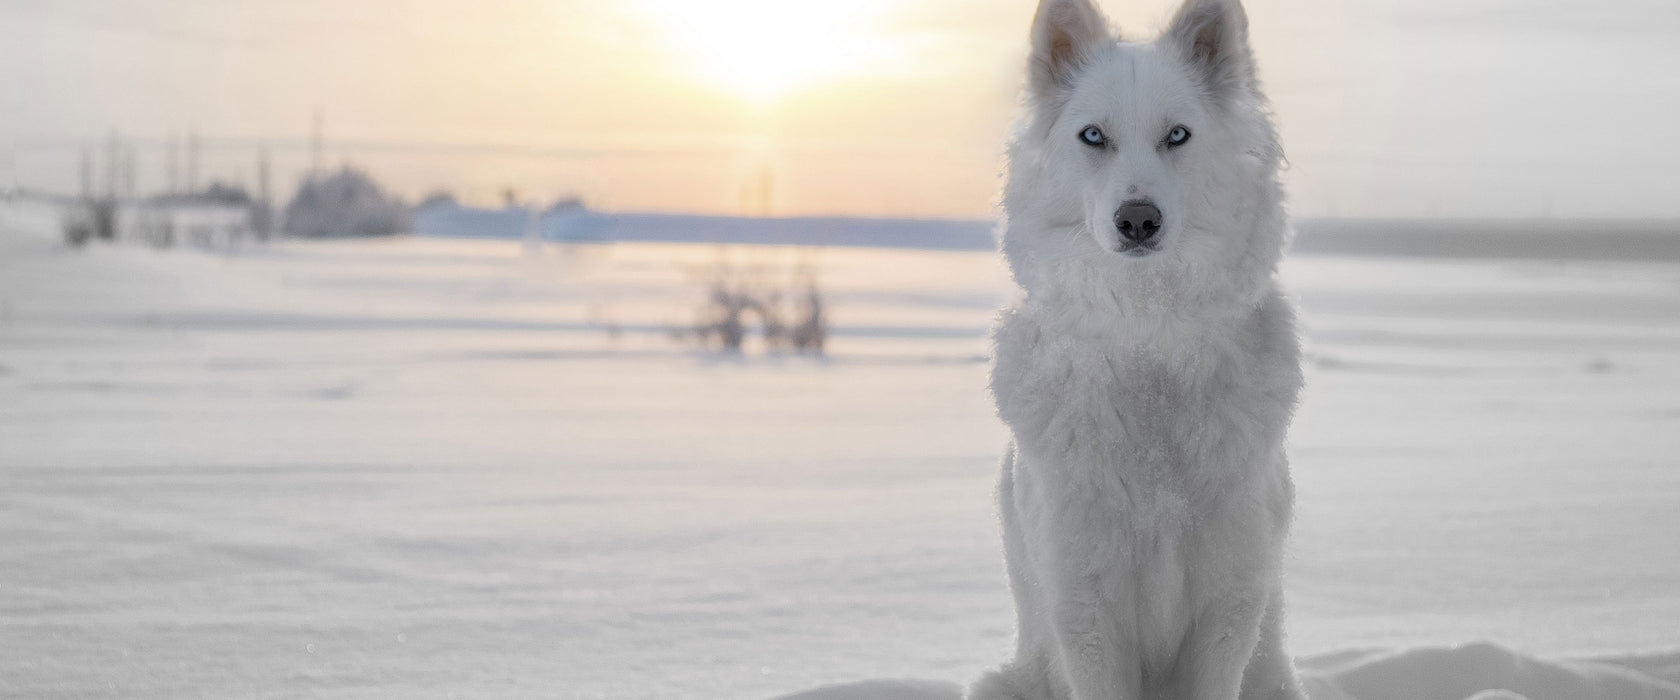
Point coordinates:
pixel 1139 221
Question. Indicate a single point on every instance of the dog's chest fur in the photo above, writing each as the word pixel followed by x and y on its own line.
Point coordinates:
pixel 1165 406
pixel 1149 456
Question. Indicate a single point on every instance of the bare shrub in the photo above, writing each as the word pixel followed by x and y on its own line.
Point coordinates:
pixel 809 334
pixel 736 297
pixel 78 226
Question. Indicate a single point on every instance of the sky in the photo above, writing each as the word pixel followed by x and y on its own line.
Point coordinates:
pixel 1416 108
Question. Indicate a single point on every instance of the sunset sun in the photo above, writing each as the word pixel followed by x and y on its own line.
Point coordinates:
pixel 765 50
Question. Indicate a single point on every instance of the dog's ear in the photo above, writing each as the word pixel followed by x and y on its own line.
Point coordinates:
pixel 1213 34
pixel 1064 33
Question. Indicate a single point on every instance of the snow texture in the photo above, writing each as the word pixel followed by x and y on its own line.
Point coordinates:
pixel 1473 671
pixel 426 467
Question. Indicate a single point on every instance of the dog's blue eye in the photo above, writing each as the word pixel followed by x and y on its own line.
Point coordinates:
pixel 1092 136
pixel 1178 136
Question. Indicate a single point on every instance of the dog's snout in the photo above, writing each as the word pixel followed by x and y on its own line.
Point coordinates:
pixel 1139 220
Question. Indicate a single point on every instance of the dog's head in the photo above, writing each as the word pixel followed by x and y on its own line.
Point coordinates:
pixel 1151 156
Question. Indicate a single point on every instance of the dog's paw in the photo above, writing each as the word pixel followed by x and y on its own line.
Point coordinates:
pixel 998 685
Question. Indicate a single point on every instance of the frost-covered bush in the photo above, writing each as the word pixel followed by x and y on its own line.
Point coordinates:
pixel 344 204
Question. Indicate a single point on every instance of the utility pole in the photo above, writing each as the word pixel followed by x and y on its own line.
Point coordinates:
pixel 113 165
pixel 172 164
pixel 192 161
pixel 9 184
pixel 131 167
pixel 85 172
pixel 316 145
pixel 264 213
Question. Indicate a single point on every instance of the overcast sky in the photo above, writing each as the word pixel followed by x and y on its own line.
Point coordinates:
pixel 868 107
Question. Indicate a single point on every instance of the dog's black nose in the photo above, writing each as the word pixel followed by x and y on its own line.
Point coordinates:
pixel 1138 220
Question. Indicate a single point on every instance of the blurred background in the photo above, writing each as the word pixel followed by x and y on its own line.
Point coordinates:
pixel 1427 108
pixel 638 349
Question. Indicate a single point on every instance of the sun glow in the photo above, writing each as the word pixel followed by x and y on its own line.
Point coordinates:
pixel 765 50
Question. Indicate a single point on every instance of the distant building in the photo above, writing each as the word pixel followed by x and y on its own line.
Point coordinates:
pixel 221 216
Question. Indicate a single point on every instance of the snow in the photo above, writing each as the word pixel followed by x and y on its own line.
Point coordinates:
pixel 1475 671
pixel 438 467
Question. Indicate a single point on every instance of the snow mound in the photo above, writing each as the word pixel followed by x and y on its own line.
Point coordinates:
pixel 1477 671
pixel 883 689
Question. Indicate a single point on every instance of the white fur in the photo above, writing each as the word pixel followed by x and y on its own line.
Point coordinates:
pixel 1146 496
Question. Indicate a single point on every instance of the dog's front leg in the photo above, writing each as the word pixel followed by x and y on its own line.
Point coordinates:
pixel 1099 658
pixel 1223 640
pixel 1271 673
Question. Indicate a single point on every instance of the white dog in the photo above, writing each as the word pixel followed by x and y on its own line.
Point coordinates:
pixel 1150 370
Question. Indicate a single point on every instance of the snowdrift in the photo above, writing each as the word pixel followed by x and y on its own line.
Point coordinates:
pixel 1486 672
pixel 1469 672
